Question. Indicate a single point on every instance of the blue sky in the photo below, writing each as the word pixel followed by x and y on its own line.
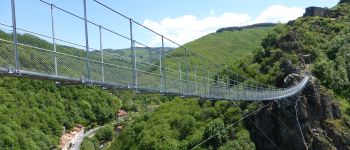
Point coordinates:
pixel 180 20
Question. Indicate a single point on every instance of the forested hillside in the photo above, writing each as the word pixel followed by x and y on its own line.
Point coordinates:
pixel 33 113
pixel 226 47
pixel 184 123
pixel 308 44
pixel 319 45
pixel 143 54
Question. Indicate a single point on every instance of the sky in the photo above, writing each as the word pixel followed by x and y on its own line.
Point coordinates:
pixel 179 20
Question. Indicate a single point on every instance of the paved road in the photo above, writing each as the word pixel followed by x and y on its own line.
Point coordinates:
pixel 79 140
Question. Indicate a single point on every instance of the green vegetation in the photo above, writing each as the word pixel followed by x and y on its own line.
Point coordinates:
pixel 150 55
pixel 321 43
pixel 33 112
pixel 224 48
pixel 182 124
pixel 344 1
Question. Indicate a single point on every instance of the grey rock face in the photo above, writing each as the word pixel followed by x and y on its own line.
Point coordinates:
pixel 317 11
pixel 317 112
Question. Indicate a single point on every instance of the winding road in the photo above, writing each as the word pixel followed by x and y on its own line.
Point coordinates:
pixel 79 140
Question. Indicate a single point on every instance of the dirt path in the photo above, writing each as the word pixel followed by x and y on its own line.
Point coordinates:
pixel 79 140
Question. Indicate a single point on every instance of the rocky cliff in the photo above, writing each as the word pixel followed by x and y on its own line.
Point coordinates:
pixel 315 118
pixel 317 11
pixel 318 115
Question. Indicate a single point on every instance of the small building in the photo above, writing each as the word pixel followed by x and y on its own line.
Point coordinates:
pixel 67 139
pixel 121 115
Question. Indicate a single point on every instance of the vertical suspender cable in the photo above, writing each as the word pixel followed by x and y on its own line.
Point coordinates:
pixel 297 119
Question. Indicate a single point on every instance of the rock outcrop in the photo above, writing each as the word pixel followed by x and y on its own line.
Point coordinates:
pixel 317 11
pixel 317 112
pixel 321 12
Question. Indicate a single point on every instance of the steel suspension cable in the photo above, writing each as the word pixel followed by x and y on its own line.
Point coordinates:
pixel 302 139
pixel 231 125
pixel 260 130
pixel 264 134
pixel 180 46
pixel 297 119
pixel 284 124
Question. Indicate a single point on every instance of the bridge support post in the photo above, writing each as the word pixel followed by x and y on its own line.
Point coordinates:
pixel 195 80
pixel 163 65
pixel 228 86
pixel 245 90
pixel 102 55
pixel 237 87
pixel 54 39
pixel 180 79
pixel 256 91
pixel 161 51
pixel 87 45
pixel 133 53
pixel 218 86
pixel 14 30
pixel 187 72
pixel 208 86
pixel 204 82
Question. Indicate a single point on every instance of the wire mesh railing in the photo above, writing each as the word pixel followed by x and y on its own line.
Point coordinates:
pixel 173 73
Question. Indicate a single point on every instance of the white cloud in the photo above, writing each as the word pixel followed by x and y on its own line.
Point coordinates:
pixel 279 13
pixel 189 27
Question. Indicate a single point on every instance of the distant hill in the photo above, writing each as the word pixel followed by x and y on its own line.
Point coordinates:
pixel 225 47
pixel 239 28
pixel 142 53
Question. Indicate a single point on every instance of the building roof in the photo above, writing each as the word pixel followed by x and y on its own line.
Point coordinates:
pixel 121 113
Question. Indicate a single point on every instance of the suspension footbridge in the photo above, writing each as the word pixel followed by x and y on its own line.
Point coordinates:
pixel 175 73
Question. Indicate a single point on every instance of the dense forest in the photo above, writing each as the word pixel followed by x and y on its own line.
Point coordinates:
pixel 33 112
